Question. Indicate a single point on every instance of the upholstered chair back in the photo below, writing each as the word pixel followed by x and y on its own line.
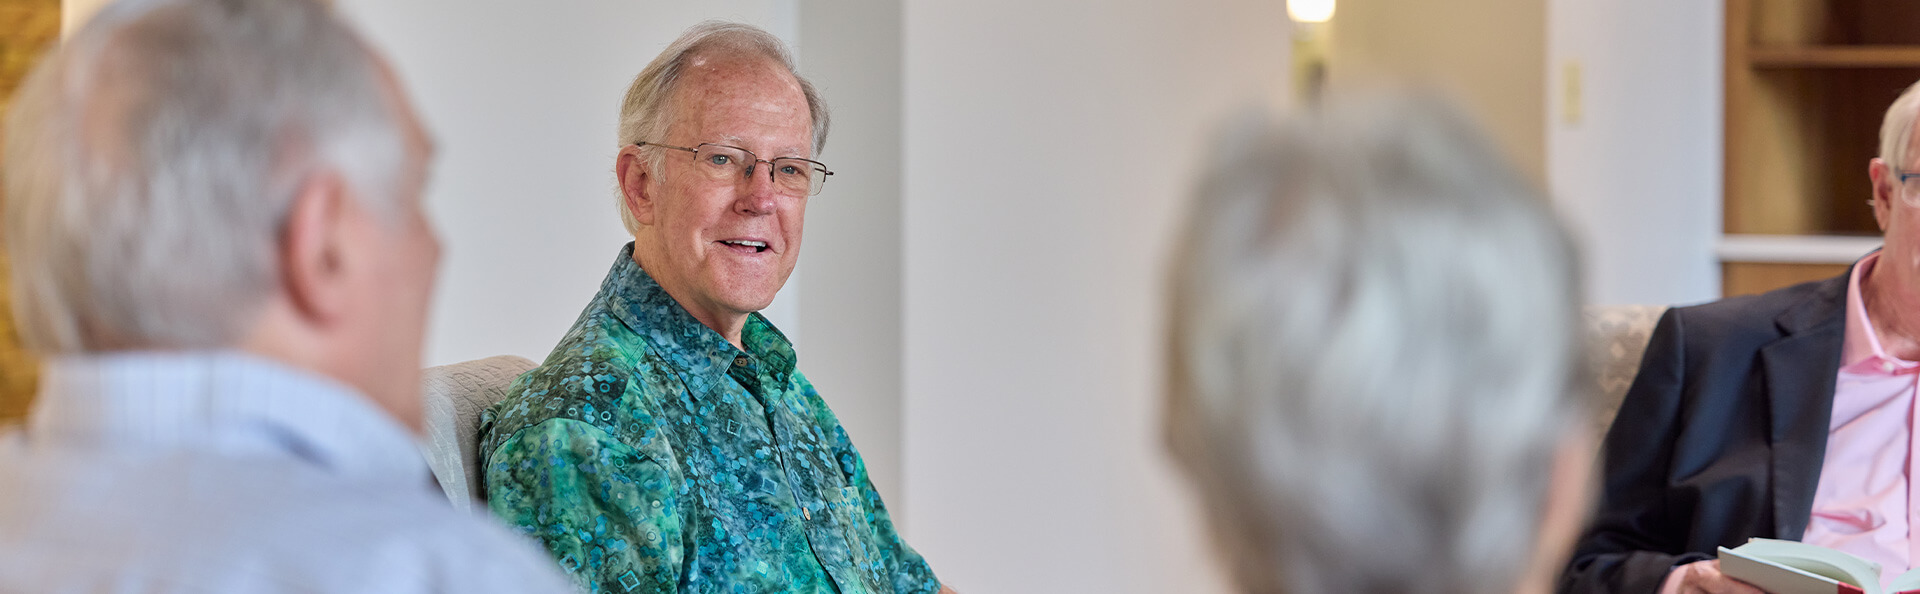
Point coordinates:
pixel 1616 337
pixel 455 396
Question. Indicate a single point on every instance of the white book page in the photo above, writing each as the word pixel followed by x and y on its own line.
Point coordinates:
pixel 1815 559
pixel 1781 579
pixel 1906 582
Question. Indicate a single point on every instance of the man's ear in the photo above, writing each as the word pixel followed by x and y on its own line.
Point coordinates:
pixel 1886 188
pixel 635 173
pixel 312 264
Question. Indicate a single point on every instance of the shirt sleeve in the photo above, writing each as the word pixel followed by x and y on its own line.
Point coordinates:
pixel 897 562
pixel 603 510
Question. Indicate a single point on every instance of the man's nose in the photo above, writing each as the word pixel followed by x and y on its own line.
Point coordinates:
pixel 759 194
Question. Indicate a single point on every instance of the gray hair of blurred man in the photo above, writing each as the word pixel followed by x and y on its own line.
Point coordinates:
pixel 151 159
pixel 1373 352
pixel 648 110
pixel 1896 129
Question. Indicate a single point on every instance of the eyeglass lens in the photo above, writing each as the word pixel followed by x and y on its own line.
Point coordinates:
pixel 789 173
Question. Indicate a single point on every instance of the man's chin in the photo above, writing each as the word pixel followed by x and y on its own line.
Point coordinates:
pixel 748 296
pixel 756 306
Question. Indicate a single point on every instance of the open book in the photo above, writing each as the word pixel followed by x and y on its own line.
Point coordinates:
pixel 1787 567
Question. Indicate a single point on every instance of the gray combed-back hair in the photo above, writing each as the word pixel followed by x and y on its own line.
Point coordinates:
pixel 1896 129
pixel 647 111
pixel 152 159
pixel 1373 335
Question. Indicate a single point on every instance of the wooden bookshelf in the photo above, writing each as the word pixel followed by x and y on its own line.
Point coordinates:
pixel 1807 82
pixel 1748 278
pixel 1890 56
pixel 1751 264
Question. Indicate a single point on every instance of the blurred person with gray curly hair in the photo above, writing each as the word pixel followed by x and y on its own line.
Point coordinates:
pixel 1374 360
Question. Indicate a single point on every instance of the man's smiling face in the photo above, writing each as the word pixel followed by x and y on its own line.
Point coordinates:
pixel 723 247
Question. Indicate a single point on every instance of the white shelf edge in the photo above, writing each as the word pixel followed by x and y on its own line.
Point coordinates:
pixel 1794 249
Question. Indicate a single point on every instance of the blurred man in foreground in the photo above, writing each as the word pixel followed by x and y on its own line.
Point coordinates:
pixel 213 209
pixel 1373 373
pixel 670 443
pixel 1787 415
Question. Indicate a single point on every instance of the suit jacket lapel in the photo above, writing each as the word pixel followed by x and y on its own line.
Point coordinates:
pixel 1800 369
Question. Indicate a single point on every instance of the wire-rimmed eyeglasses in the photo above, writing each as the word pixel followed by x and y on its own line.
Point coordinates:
pixel 723 162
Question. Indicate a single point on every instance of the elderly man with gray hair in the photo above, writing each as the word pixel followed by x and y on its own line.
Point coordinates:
pixel 669 443
pixel 1787 415
pixel 214 212
pixel 1374 358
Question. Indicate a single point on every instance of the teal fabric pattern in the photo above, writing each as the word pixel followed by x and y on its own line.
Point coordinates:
pixel 650 455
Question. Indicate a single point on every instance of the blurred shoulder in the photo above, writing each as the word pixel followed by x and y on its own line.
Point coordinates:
pixel 397 536
pixel 245 525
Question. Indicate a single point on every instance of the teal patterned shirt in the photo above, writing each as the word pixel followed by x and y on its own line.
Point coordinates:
pixel 649 455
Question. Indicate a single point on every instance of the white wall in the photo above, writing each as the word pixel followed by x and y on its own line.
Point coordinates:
pixel 850 49
pixel 522 99
pixel 1049 149
pixel 1483 54
pixel 1638 175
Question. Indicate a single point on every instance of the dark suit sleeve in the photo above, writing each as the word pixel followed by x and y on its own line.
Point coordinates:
pixel 1633 541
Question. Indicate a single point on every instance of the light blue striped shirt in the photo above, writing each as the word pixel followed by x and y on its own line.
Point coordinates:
pixel 220 472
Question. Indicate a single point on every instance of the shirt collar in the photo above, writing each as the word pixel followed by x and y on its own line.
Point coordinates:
pixel 639 302
pixel 225 402
pixel 1860 350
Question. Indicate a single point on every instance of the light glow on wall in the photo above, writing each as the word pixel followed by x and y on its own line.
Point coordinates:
pixel 1310 11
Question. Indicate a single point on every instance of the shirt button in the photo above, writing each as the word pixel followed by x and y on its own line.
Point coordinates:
pixel 743 361
pixel 1887 366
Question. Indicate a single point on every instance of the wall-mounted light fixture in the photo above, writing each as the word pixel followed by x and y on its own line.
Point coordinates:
pixel 1312 32
pixel 1310 11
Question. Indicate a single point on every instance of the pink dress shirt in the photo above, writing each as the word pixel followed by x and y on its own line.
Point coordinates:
pixel 1865 504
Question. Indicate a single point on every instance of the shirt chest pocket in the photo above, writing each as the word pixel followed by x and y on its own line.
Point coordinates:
pixel 851 526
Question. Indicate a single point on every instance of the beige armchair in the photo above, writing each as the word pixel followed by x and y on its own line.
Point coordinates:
pixel 455 396
pixel 1616 337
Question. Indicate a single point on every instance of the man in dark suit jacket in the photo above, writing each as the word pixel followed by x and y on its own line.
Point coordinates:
pixel 1720 438
pixel 1725 432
